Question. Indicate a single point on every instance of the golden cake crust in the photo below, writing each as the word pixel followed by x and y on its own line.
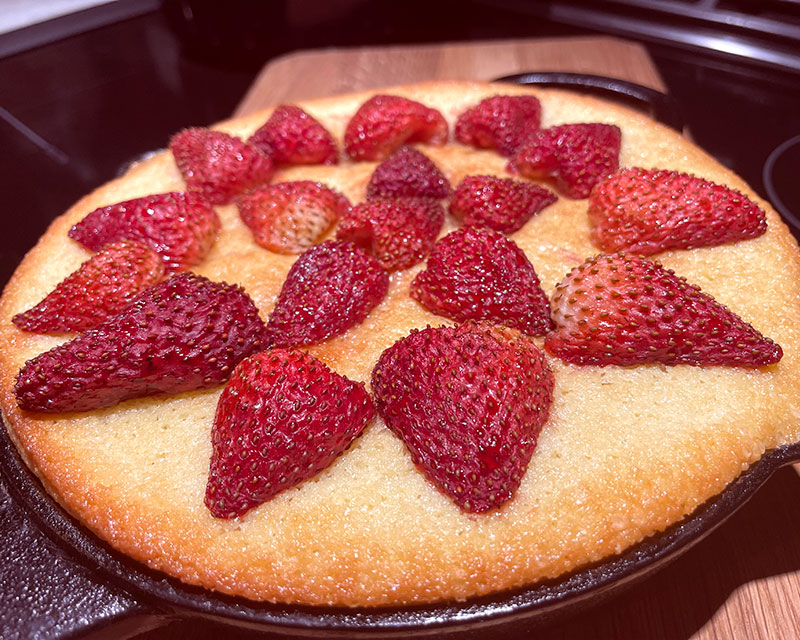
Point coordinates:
pixel 626 452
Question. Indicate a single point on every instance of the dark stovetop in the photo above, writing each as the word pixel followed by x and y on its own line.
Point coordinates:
pixel 74 110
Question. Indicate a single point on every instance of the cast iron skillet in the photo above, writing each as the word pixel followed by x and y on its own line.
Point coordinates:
pixel 119 587
pixel 104 587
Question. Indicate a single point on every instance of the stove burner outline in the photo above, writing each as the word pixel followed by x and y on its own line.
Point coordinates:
pixel 769 186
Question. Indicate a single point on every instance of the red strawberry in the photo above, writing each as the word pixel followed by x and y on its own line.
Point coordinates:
pixel 469 403
pixel 180 227
pixel 282 418
pixel 385 123
pixel 499 122
pixel 101 287
pixel 291 136
pixel 623 309
pixel 476 273
pixel 577 156
pixel 289 217
pixel 399 233
pixel 501 204
pixel 183 334
pixel 329 289
pixel 647 211
pixel 408 173
pixel 218 165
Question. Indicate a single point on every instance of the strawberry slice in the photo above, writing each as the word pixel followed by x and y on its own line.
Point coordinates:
pixel 282 418
pixel 501 204
pixel 476 273
pixel 291 136
pixel 399 233
pixel 101 287
pixel 180 227
pixel 329 289
pixel 218 165
pixel 471 425
pixel 623 309
pixel 408 173
pixel 499 122
pixel 289 217
pixel 183 334
pixel 576 156
pixel 385 123
pixel 648 211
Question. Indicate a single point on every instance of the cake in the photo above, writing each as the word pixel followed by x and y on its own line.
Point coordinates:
pixel 624 449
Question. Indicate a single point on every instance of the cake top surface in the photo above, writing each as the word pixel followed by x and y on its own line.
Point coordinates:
pixel 626 450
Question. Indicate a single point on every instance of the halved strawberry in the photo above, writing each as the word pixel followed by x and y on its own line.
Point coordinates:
pixel 101 287
pixel 218 165
pixel 291 136
pixel 468 402
pixel 282 418
pixel 501 204
pixel 408 173
pixel 576 156
pixel 399 232
pixel 183 334
pixel 499 122
pixel 288 217
pixel 385 123
pixel 476 273
pixel 648 211
pixel 329 289
pixel 623 309
pixel 180 227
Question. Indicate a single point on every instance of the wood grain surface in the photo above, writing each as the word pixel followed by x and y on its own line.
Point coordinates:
pixel 741 582
pixel 313 74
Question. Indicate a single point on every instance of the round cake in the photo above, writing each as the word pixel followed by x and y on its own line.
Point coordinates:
pixel 624 448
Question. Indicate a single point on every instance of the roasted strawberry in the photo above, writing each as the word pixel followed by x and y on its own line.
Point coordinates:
pixel 183 334
pixel 101 287
pixel 469 403
pixel 218 165
pixel 501 204
pixel 647 211
pixel 291 136
pixel 476 273
pixel 623 309
pixel 385 123
pixel 399 232
pixel 282 418
pixel 499 122
pixel 180 227
pixel 576 156
pixel 288 217
pixel 329 289
pixel 408 173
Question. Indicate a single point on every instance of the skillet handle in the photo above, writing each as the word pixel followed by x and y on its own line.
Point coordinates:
pixel 46 594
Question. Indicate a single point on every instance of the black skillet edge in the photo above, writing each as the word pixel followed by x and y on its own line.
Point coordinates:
pixel 661 106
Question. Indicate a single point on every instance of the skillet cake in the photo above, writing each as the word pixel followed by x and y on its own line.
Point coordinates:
pixel 597 448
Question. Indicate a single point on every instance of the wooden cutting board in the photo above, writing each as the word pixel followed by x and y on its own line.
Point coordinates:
pixel 741 582
pixel 314 74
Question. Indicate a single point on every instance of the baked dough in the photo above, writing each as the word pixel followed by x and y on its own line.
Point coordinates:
pixel 625 453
